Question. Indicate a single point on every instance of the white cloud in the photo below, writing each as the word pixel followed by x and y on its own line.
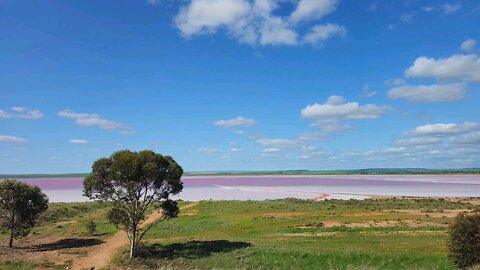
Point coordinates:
pixel 253 21
pixel 468 45
pixel 236 122
pixel 444 129
pixel 21 112
pixel 271 150
pixel 89 120
pixel 472 138
pixel 78 141
pixel 153 2
pixel 278 143
pixel 429 93
pixel 337 107
pixel 395 82
pixel 312 9
pixel 428 8
pixel 451 8
pixel 206 16
pixel 239 132
pixel 234 149
pixel 457 67
pixel 323 32
pixel 407 18
pixel 418 141
pixel 11 139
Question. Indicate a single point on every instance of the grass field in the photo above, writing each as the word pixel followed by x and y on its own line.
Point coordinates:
pixel 286 234
pixel 279 234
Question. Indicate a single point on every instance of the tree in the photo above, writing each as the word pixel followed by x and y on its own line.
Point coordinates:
pixel 20 206
pixel 135 182
pixel 464 242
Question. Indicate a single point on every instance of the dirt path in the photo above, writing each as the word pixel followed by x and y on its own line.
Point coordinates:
pixel 100 256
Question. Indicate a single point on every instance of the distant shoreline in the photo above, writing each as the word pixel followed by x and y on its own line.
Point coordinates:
pixel 370 172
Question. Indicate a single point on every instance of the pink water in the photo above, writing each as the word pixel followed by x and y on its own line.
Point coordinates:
pixel 275 187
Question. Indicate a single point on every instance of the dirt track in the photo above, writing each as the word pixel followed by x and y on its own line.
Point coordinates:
pixel 101 255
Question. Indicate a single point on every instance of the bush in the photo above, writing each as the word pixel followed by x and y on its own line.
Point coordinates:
pixel 464 242
pixel 91 227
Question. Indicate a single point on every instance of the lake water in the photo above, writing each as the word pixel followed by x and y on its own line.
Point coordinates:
pixel 304 187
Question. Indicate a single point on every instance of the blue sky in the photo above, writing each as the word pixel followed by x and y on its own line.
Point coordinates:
pixel 240 84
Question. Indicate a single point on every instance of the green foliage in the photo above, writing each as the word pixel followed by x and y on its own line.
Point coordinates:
pixel 464 241
pixel 91 227
pixel 20 206
pixel 135 182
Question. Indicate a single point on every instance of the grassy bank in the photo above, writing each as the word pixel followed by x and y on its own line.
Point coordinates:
pixel 286 234
pixel 277 234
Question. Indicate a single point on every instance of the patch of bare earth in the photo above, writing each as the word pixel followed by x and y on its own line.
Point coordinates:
pixel 378 224
pixel 442 214
pixel 318 234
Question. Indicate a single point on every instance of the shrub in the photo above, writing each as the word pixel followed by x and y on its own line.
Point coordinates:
pixel 464 242
pixel 91 227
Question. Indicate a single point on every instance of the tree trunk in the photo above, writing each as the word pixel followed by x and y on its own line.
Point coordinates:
pixel 10 243
pixel 133 242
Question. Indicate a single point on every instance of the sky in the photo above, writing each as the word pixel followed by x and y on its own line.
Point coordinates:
pixel 226 85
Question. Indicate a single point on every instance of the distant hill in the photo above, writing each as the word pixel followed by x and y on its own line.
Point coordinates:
pixel 370 171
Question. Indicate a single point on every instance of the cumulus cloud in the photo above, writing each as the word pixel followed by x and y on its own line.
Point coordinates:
pixel 336 107
pixel 443 129
pixel 451 8
pixel 468 45
pixel 254 22
pixel 312 9
pixel 89 120
pixel 429 93
pixel 21 112
pixel 321 33
pixel 472 138
pixel 236 122
pixel 11 139
pixel 457 67
pixel 78 141
pixel 418 141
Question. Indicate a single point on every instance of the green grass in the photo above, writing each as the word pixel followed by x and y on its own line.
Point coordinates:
pixel 17 265
pixel 70 219
pixel 271 235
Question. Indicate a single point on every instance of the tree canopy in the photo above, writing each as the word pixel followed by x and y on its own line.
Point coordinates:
pixel 135 182
pixel 20 206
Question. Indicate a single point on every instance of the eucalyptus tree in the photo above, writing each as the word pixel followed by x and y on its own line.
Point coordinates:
pixel 136 182
pixel 20 207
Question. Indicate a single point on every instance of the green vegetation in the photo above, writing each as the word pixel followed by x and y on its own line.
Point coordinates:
pixel 464 244
pixel 70 219
pixel 91 228
pixel 285 234
pixel 20 206
pixel 17 265
pixel 401 233
pixel 135 182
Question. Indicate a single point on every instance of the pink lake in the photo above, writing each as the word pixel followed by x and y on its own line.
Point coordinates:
pixel 304 187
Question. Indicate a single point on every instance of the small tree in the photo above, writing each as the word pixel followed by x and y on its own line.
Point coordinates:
pixel 464 242
pixel 91 227
pixel 20 206
pixel 135 182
